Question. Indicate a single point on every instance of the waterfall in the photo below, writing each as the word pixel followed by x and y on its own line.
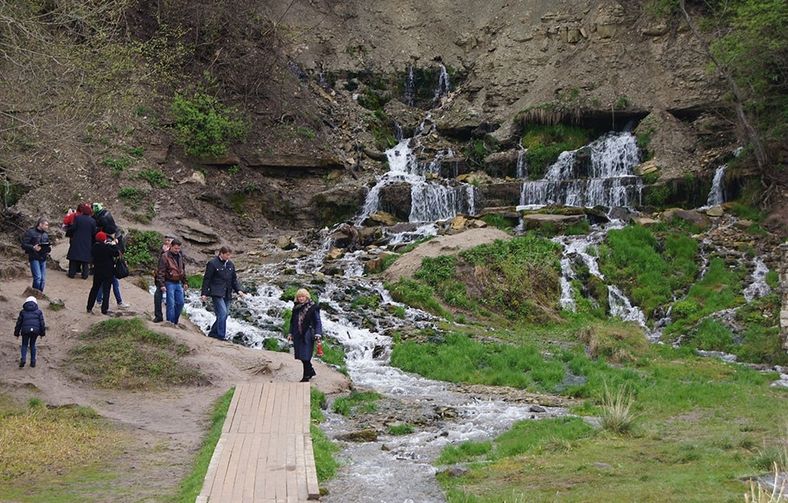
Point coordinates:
pixel 410 88
pixel 522 167
pixel 599 174
pixel 430 200
pixel 758 286
pixel 716 194
pixel 443 83
pixel 620 307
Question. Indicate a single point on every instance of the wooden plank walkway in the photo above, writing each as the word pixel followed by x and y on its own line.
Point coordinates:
pixel 265 451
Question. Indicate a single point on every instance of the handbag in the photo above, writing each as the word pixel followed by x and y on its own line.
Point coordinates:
pixel 121 269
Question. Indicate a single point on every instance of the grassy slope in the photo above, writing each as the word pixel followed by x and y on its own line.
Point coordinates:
pixel 701 423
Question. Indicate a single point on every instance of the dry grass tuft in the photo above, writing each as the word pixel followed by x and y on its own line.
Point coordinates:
pixel 617 415
pixel 758 494
pixel 39 440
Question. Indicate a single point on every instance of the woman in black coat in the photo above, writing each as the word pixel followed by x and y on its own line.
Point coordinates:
pixel 305 329
pixel 104 252
pixel 81 232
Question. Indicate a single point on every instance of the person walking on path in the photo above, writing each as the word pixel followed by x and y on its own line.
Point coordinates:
pixel 305 329
pixel 81 231
pixel 104 252
pixel 30 325
pixel 219 282
pixel 36 244
pixel 171 279
pixel 121 245
pixel 158 294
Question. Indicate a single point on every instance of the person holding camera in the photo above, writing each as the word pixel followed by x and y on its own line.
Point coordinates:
pixel 36 244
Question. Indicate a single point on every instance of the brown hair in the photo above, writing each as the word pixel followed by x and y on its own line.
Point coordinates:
pixel 225 249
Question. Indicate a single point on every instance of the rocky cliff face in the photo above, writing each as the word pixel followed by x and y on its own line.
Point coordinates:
pixel 322 87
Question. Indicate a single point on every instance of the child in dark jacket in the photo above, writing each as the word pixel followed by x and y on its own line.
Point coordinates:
pixel 30 325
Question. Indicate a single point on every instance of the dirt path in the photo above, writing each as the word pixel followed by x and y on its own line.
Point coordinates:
pixel 407 264
pixel 167 426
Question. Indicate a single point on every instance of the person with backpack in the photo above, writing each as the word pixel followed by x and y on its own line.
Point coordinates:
pixel 36 244
pixel 219 282
pixel 104 220
pixel 30 325
pixel 121 245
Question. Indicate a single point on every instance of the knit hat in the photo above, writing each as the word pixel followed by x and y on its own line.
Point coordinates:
pixel 97 207
pixel 101 236
pixel 31 299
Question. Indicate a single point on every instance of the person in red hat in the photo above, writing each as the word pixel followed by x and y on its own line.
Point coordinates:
pixel 104 251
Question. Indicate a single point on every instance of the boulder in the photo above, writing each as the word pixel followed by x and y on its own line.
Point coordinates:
pixel 691 216
pixel 499 194
pixel 375 264
pixel 335 253
pixel 476 178
pixel 715 211
pixel 458 223
pixel 196 232
pixel 502 164
pixel 645 221
pixel 381 218
pixel 228 159
pixel 646 168
pixel 285 243
pixel 535 221
pixel 291 162
pixel 366 435
pixel 395 199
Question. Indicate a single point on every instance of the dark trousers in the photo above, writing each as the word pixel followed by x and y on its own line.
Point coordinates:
pixel 158 297
pixel 29 341
pixel 105 284
pixel 75 266
pixel 309 370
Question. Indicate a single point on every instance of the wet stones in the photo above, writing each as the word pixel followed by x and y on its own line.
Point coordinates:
pixel 365 435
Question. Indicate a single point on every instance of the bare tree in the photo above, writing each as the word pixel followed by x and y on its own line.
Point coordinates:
pixel 738 97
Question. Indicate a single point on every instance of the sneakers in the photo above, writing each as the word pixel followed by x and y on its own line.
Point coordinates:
pixel 124 305
pixel 32 364
pixel 90 311
pixel 21 363
pixel 158 320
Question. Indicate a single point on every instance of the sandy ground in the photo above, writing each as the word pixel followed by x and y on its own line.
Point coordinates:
pixel 166 427
pixel 452 244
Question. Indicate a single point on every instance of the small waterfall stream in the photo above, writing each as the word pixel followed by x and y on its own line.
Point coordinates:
pixel 716 194
pixel 599 174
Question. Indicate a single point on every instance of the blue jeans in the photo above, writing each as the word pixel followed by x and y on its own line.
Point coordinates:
pixel 39 270
pixel 29 340
pixel 175 301
pixel 221 307
pixel 115 290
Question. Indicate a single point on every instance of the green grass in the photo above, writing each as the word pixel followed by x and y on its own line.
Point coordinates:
pixel 190 487
pixel 143 249
pixel 324 449
pixel 649 268
pixel 132 196
pixel 400 429
pixel 371 301
pixel 416 294
pixel 358 402
pixel 155 177
pixel 458 358
pixel 334 355
pixel 545 143
pixel 125 354
pixel 118 164
pixel 499 222
pixel 194 281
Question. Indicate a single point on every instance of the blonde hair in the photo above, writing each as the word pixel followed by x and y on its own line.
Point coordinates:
pixel 304 292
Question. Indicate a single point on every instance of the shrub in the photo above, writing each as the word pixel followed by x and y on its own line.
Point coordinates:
pixel 545 144
pixel 400 429
pixel 132 196
pixel 155 177
pixel 363 401
pixel 143 249
pixel 203 126
pixel 117 164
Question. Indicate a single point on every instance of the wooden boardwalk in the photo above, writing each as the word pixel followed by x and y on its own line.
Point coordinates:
pixel 265 451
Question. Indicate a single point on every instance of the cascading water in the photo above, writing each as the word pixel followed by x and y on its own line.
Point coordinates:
pixel 758 286
pixel 599 174
pixel 521 170
pixel 410 88
pixel 716 194
pixel 444 86
pixel 430 200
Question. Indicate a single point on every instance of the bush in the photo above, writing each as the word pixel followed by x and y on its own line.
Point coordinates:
pixel 203 126
pixel 545 144
pixel 143 249
pixel 617 415
pixel 132 196
pixel 155 177
pixel 117 164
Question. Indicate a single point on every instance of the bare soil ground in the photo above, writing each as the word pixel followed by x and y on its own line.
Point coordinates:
pixel 166 427
pixel 407 264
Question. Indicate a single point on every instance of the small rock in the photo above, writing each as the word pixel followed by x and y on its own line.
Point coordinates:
pixel 198 177
pixel 285 243
pixel 536 408
pixel 603 466
pixel 367 435
pixel 455 471
pixel 458 223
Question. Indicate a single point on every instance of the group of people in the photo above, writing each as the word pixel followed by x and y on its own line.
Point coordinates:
pixel 95 239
